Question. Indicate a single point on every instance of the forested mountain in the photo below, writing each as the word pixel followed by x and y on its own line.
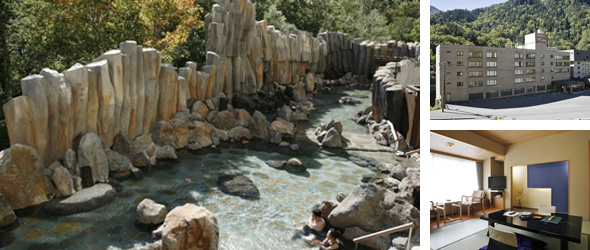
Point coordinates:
pixel 434 10
pixel 566 22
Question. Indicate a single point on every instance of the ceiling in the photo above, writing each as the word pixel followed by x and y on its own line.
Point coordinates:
pixel 449 146
pixel 509 137
pixel 439 144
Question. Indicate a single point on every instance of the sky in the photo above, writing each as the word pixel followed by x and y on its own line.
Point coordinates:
pixel 446 5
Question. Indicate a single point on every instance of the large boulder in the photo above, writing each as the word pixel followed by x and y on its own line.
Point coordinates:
pixel 117 162
pixel 224 120
pixel 163 133
pixel 62 179
pixel 150 212
pixel 82 201
pixel 239 185
pixel 182 133
pixel 70 161
pixel 201 137
pixel 22 178
pixel 239 133
pixel 200 108
pixel 259 126
pixel 7 215
pixel 284 126
pixel 373 208
pixel 242 117
pixel 166 152
pixel 190 227
pixel 91 153
pixel 332 139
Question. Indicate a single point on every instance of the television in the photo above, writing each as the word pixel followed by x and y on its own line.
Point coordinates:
pixel 497 182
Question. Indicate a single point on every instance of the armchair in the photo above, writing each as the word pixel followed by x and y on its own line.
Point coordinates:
pixel 436 210
pixel 468 201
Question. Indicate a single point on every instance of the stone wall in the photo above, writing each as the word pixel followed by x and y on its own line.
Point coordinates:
pixel 127 90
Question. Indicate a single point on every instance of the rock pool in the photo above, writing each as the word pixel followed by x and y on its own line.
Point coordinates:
pixel 268 222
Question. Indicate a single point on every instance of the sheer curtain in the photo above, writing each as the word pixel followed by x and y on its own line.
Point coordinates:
pixel 453 177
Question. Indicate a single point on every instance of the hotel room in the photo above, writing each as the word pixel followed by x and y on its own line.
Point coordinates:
pixel 528 189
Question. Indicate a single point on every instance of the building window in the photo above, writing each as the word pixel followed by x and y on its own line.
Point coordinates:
pixel 542 55
pixel 459 53
pixel 492 73
pixel 491 54
pixel 518 64
pixel 459 63
pixel 566 57
pixel 518 56
pixel 491 82
pixel 558 64
pixel 542 63
pixel 475 64
pixel 475 73
pixel 475 83
pixel 542 70
pixel 518 80
pixel 566 70
pixel 530 79
pixel 476 54
pixel 551 56
pixel 518 72
pixel 530 71
pixel 558 57
pixel 530 56
pixel 542 78
pixel 550 63
pixel 459 84
pixel 530 64
pixel 448 51
pixel 459 73
pixel 491 64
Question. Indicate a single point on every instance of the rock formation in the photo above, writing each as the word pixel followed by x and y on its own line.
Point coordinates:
pixel 190 227
pixel 150 212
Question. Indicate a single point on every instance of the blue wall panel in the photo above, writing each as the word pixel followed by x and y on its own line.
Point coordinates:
pixel 551 175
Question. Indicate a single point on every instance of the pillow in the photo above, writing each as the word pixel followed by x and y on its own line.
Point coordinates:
pixel 528 243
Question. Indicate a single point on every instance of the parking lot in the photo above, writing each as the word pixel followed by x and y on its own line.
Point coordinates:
pixel 544 106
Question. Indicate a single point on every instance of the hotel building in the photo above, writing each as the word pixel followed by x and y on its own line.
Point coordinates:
pixel 579 63
pixel 477 72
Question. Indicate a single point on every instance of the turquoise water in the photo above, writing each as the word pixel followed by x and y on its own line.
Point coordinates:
pixel 285 199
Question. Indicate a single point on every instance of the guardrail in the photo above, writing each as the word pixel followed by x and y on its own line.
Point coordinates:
pixel 400 228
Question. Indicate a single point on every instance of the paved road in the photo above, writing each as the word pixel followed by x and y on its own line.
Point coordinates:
pixel 545 106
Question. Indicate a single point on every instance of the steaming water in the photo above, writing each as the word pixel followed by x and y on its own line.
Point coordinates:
pixel 285 199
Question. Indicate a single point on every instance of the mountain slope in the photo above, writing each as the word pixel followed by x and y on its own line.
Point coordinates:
pixel 564 21
pixel 434 10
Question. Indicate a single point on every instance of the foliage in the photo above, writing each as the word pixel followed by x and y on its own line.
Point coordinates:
pixel 275 17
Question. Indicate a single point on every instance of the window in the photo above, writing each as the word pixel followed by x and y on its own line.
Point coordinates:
pixel 558 64
pixel 542 63
pixel 448 51
pixel 530 79
pixel 566 57
pixel 530 64
pixel 530 71
pixel 459 84
pixel 459 73
pixel 518 80
pixel 475 73
pixel 551 56
pixel 550 63
pixel 519 72
pixel 491 64
pixel 476 54
pixel 558 57
pixel 491 82
pixel 542 78
pixel 542 70
pixel 491 54
pixel 492 73
pixel 518 64
pixel 475 64
pixel 530 56
pixel 542 55
pixel 459 53
pixel 566 70
pixel 475 83
pixel 459 63
pixel 518 56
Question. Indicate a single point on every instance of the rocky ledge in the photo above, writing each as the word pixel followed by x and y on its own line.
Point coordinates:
pixel 84 200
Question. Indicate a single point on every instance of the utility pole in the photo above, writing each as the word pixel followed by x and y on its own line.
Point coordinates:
pixel 443 100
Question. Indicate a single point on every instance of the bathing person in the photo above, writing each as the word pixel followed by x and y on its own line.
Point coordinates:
pixel 316 222
pixel 315 226
pixel 331 241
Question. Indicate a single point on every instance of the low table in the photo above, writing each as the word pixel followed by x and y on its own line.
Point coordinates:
pixel 568 229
